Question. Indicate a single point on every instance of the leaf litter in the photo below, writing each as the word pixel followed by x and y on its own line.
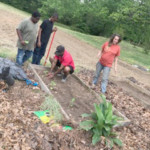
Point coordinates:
pixel 20 129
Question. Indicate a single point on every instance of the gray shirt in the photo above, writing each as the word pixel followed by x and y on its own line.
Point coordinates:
pixel 28 31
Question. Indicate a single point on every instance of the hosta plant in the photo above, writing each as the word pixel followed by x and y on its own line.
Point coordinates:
pixel 101 122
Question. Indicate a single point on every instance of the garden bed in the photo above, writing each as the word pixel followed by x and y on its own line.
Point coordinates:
pixel 135 89
pixel 74 97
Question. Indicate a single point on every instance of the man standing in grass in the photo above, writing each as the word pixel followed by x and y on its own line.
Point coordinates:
pixel 109 54
pixel 63 60
pixel 27 33
pixel 44 33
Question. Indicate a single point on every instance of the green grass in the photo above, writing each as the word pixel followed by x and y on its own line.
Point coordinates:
pixel 53 106
pixel 90 39
pixel 134 55
pixel 7 53
pixel 129 53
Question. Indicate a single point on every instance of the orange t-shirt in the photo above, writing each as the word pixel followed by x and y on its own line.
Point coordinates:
pixel 108 54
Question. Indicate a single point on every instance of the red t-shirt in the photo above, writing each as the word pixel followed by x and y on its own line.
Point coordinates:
pixel 108 54
pixel 66 59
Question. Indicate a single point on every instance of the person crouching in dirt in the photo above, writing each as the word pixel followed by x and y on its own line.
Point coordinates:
pixel 63 60
pixel 109 54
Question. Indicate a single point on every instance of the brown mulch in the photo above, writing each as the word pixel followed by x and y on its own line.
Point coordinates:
pixel 20 129
pixel 137 135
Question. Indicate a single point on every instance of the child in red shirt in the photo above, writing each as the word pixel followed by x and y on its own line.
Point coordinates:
pixel 109 53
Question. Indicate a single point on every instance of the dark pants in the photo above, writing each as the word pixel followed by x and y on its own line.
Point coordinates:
pixel 71 68
pixel 38 53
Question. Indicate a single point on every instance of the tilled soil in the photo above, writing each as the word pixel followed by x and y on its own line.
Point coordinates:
pixel 73 97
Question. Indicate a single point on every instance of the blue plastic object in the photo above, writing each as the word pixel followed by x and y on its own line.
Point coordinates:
pixel 28 82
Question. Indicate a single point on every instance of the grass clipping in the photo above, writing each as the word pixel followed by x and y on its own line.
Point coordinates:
pixel 53 106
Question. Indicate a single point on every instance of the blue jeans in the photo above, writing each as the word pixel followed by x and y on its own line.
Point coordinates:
pixel 22 56
pixel 38 54
pixel 106 70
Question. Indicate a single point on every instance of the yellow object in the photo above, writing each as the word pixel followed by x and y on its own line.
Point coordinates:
pixel 46 119
pixel 27 42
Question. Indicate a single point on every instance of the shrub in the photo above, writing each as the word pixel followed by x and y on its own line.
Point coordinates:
pixel 101 124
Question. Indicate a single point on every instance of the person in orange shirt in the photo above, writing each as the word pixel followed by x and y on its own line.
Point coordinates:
pixel 109 54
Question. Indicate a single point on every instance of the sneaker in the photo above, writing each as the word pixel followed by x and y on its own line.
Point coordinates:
pixel 64 78
pixel 59 74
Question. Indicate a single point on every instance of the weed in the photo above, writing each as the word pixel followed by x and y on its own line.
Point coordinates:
pixel 72 102
pixel 77 70
pixel 101 124
pixel 45 72
pixel 52 85
pixel 3 55
pixel 53 106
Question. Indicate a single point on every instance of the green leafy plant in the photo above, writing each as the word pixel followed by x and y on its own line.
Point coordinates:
pixel 45 72
pixel 77 70
pixel 52 105
pixel 52 85
pixel 101 123
pixel 72 102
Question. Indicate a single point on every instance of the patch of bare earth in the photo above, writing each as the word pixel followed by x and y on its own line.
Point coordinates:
pixel 73 97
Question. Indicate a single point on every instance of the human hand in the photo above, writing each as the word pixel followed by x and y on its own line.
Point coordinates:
pixel 55 29
pixel 99 55
pixel 39 44
pixel 23 43
pixel 51 75
pixel 115 71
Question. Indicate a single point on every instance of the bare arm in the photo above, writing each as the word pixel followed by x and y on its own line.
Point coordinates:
pixel 99 54
pixel 20 37
pixel 115 64
pixel 59 69
pixel 53 65
pixel 39 37
pixel 51 75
